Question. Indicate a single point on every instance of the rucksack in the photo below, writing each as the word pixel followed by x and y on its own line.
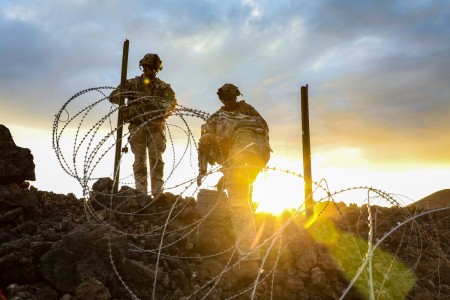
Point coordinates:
pixel 241 135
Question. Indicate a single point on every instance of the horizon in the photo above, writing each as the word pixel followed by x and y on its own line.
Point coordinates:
pixel 288 193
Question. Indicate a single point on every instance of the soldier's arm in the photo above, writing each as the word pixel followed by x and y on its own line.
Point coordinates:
pixel 204 146
pixel 114 97
pixel 207 139
pixel 170 101
pixel 116 94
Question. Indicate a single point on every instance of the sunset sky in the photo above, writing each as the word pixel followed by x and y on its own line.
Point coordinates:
pixel 378 74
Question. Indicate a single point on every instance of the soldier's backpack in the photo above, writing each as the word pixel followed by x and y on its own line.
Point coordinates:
pixel 239 135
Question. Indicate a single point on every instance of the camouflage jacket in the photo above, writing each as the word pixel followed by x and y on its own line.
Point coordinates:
pixel 147 102
pixel 230 131
pixel 243 108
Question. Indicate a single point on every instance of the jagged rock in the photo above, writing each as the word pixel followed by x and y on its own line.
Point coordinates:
pixel 14 197
pixel 92 289
pixel 127 200
pixel 318 277
pixel 179 281
pixel 445 275
pixel 307 260
pixel 82 254
pixel 103 185
pixel 11 215
pixel 137 275
pixel 295 283
pixel 214 237
pixel 16 163
pixel 17 261
pixel 38 291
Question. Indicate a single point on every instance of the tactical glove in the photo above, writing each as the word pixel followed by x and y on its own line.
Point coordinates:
pixel 200 178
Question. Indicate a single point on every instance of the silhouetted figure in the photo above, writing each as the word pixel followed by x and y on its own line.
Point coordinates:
pixel 237 137
pixel 150 102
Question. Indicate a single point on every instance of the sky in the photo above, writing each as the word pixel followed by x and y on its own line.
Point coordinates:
pixel 377 72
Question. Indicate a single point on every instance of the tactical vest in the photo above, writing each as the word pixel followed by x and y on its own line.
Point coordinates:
pixel 146 104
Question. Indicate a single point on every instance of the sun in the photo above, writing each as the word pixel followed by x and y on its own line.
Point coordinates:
pixel 275 191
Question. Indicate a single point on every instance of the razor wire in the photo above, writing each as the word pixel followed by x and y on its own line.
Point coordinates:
pixel 84 139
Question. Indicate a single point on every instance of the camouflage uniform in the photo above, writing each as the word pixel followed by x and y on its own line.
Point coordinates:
pixel 238 139
pixel 149 104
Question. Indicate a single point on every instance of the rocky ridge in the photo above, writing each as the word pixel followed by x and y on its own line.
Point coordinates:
pixel 132 246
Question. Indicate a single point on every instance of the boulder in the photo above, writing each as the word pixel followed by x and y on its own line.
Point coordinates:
pixel 81 255
pixel 92 289
pixel 16 163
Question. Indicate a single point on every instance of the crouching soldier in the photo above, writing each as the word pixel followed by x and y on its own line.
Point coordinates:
pixel 237 138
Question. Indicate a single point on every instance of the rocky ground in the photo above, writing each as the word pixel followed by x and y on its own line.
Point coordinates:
pixel 131 246
pixel 55 246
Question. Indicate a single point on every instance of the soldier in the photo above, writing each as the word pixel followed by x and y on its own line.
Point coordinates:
pixel 237 137
pixel 150 102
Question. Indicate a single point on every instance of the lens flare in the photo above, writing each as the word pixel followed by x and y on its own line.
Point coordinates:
pixel 388 275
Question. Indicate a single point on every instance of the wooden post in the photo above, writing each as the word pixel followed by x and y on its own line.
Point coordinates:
pixel 309 202
pixel 123 79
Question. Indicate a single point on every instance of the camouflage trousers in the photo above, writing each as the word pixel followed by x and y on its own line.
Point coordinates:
pixel 148 140
pixel 240 174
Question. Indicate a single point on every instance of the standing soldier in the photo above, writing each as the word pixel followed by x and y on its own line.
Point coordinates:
pixel 150 103
pixel 237 137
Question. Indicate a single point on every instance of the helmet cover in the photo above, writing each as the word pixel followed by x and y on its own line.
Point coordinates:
pixel 151 60
pixel 228 90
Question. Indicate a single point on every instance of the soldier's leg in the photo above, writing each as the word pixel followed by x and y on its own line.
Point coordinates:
pixel 238 182
pixel 138 147
pixel 156 147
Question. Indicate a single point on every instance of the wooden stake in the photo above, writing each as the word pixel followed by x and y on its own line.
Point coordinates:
pixel 309 202
pixel 123 80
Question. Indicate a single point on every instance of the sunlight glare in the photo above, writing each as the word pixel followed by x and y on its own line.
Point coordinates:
pixel 275 191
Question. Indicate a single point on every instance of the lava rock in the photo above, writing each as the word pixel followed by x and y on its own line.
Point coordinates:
pixel 16 163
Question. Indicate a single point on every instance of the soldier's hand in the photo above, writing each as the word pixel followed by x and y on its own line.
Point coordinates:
pixel 220 184
pixel 125 114
pixel 200 178
pixel 206 139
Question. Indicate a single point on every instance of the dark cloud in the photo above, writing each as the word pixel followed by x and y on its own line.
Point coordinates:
pixel 23 51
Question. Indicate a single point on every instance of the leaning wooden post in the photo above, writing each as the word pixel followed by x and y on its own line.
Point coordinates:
pixel 123 80
pixel 309 202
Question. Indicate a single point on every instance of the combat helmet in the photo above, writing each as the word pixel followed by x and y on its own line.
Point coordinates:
pixel 228 90
pixel 152 60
